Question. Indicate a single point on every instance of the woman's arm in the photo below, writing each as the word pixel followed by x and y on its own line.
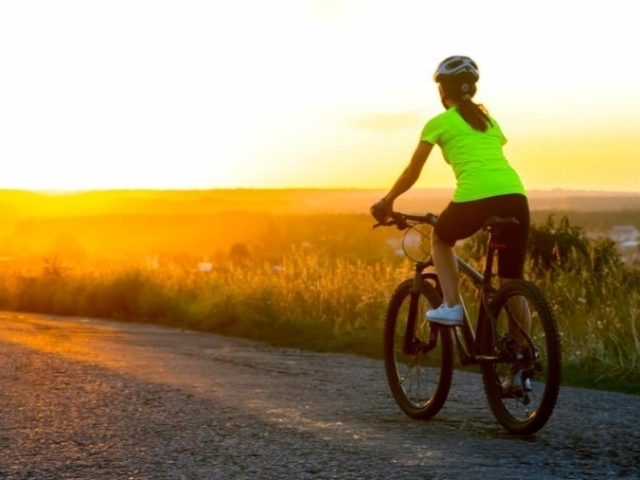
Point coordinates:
pixel 383 208
pixel 410 174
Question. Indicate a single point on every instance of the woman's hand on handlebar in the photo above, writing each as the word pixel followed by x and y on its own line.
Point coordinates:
pixel 381 210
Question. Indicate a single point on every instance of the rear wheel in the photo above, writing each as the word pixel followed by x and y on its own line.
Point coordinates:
pixel 522 388
pixel 419 371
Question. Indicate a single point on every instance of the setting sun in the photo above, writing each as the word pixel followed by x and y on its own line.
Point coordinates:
pixel 311 93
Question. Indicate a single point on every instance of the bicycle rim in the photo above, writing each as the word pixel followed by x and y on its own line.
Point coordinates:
pixel 419 380
pixel 522 388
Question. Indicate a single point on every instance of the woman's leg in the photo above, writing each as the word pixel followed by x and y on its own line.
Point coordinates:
pixel 446 264
pixel 521 311
pixel 511 262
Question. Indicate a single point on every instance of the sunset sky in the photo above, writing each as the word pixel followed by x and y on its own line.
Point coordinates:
pixel 308 93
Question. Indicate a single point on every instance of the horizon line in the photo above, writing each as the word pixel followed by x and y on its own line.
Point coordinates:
pixel 298 189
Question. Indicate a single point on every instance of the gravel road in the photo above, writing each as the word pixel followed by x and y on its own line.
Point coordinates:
pixel 91 399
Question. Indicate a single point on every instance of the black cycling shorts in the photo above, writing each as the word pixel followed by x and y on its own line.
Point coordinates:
pixel 461 220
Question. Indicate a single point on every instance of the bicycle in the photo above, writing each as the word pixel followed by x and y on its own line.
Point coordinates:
pixel 520 363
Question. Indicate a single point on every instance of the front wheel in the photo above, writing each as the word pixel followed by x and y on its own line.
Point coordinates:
pixel 419 360
pixel 523 386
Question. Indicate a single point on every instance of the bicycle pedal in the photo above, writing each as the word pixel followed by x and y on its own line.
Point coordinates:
pixel 513 392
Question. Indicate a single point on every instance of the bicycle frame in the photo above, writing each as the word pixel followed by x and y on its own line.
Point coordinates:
pixel 466 337
pixel 469 347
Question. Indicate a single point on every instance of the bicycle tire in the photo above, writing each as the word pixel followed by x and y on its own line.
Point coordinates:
pixel 526 408
pixel 419 382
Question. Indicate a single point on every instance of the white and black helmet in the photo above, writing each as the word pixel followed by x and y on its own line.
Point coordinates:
pixel 457 66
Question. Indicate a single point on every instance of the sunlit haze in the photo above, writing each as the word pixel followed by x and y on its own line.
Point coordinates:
pixel 307 93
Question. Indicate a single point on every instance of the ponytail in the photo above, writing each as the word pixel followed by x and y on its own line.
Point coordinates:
pixel 474 114
pixel 461 92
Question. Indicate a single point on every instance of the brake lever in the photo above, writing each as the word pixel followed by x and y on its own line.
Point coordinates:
pixel 400 222
pixel 381 224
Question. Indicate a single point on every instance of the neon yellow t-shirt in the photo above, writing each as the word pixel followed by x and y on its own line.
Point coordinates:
pixel 477 159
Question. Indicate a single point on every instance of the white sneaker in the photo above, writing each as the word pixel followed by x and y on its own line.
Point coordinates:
pixel 514 386
pixel 446 315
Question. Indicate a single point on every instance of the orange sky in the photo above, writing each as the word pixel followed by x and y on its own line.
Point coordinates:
pixel 307 93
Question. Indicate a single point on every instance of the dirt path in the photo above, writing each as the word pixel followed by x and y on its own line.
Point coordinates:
pixel 88 399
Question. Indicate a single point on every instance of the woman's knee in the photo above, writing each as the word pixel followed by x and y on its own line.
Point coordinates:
pixel 436 241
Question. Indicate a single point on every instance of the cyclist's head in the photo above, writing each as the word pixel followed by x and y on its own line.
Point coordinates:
pixel 458 67
pixel 456 77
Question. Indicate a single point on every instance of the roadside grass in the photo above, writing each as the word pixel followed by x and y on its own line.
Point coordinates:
pixel 599 320
pixel 310 302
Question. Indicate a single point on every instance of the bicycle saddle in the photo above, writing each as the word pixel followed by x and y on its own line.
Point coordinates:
pixel 496 221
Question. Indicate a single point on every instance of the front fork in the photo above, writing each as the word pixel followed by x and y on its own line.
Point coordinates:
pixel 412 343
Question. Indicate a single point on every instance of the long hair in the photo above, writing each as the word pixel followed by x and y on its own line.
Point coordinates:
pixel 462 91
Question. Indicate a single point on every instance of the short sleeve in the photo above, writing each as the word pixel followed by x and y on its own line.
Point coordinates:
pixel 432 130
pixel 503 139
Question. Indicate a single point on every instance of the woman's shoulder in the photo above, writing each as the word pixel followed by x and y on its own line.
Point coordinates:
pixel 443 117
pixel 495 125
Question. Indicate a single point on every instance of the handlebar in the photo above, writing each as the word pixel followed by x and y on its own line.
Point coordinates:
pixel 404 220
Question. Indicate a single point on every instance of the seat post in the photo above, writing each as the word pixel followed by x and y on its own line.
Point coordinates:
pixel 488 265
pixel 493 226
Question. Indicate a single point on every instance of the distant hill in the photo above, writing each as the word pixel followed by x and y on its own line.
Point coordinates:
pixel 17 204
pixel 135 223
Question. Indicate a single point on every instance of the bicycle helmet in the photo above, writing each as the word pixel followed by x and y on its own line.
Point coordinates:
pixel 457 66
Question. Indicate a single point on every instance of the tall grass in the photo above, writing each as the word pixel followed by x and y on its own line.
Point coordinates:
pixel 599 319
pixel 328 304
pixel 306 302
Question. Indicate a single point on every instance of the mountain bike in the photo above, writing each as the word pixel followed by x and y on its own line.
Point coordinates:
pixel 515 341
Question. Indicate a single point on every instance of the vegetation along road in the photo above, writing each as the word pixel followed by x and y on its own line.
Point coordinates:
pixel 89 399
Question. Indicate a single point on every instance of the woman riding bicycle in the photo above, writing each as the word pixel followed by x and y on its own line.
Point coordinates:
pixel 472 143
